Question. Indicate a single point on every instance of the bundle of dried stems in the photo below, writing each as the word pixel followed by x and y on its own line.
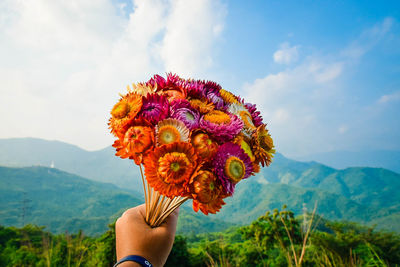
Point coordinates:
pixel 158 207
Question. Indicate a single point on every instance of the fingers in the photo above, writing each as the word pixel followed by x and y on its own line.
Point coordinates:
pixel 170 223
pixel 136 214
pixel 141 209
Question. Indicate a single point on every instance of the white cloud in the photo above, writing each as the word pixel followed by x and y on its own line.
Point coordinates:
pixel 286 54
pixel 307 106
pixel 289 101
pixel 329 72
pixel 393 97
pixel 64 62
pixel 191 30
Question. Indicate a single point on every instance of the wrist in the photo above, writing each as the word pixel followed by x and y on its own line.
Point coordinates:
pixel 129 264
pixel 133 261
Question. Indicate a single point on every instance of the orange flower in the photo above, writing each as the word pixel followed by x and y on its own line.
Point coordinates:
pixel 228 97
pixel 256 168
pixel 217 117
pixel 137 140
pixel 204 145
pixel 124 112
pixel 173 92
pixel 168 168
pixel 202 105
pixel 263 146
pixel 172 88
pixel 207 192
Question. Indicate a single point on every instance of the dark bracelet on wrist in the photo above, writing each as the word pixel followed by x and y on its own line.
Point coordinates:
pixel 139 259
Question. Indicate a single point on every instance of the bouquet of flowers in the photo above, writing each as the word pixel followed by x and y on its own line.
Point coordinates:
pixel 195 140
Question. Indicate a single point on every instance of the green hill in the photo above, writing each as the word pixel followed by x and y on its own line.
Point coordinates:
pixel 375 187
pixel 99 165
pixel 59 200
pixel 252 199
pixel 65 202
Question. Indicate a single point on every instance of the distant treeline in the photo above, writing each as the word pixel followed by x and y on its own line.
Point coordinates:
pixel 277 238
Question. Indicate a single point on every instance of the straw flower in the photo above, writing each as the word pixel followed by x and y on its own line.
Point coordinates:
pixel 183 111
pixel 263 146
pixel 202 105
pixel 142 89
pixel 155 108
pixel 255 114
pixel 228 97
pixel 221 125
pixel 204 145
pixel 231 164
pixel 168 168
pixel 207 192
pixel 248 125
pixel 172 87
pixel 171 130
pixel 137 140
pixel 124 112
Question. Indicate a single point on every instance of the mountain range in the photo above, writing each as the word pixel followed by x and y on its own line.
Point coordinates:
pixel 365 195
pixel 388 159
pixel 101 165
pixel 361 194
pixel 66 202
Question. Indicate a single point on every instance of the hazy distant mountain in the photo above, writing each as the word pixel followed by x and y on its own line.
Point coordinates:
pixel 361 194
pixel 65 202
pixel 99 165
pixel 343 159
pixel 104 166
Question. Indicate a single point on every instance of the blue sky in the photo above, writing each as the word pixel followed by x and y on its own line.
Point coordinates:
pixel 326 74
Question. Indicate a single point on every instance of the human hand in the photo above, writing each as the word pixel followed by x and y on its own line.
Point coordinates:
pixel 135 237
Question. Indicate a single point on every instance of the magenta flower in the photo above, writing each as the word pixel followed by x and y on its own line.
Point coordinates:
pixel 195 89
pixel 183 111
pixel 221 125
pixel 231 164
pixel 255 114
pixel 155 108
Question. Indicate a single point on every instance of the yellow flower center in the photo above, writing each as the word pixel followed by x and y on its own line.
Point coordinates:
pixel 217 117
pixel 189 116
pixel 120 110
pixel 235 169
pixel 168 134
pixel 212 186
pixel 175 166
